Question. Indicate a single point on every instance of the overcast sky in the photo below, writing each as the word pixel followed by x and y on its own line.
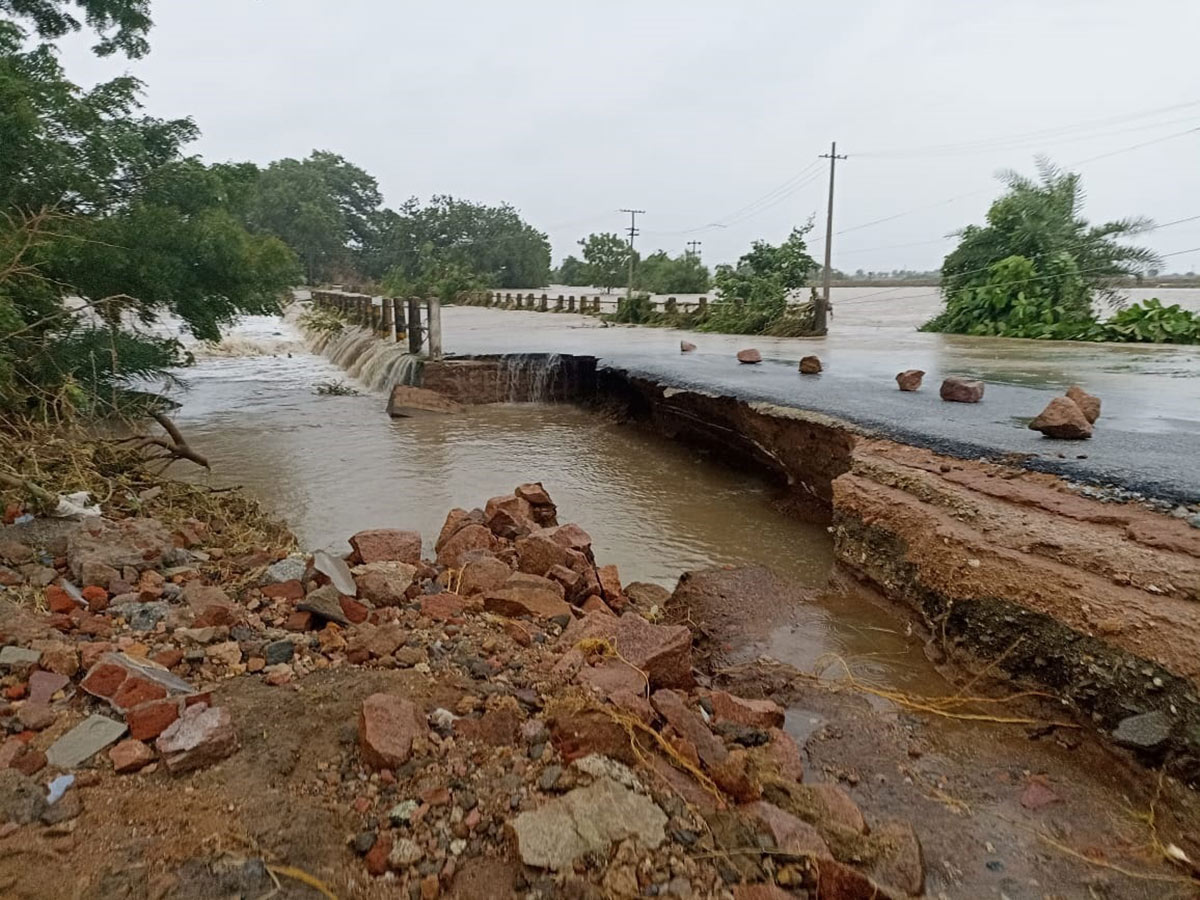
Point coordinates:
pixel 694 110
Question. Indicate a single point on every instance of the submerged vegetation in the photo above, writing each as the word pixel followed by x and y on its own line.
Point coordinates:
pixel 1038 269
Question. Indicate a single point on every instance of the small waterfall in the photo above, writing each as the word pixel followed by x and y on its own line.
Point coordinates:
pixel 529 377
pixel 378 364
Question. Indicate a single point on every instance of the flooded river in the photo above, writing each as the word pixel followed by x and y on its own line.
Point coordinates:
pixel 333 465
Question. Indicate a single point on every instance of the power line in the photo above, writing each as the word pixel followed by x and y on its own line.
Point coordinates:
pixel 1040 134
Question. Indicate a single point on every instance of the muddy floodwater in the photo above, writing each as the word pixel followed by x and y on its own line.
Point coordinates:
pixel 334 465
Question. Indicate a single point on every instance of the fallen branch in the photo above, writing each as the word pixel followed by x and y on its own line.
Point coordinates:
pixel 25 484
pixel 178 448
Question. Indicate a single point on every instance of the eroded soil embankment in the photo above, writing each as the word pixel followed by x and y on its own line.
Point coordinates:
pixel 1097 603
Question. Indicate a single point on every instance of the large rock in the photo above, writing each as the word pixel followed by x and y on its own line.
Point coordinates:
pixel 572 537
pixel 384 583
pixel 527 595
pixel 200 737
pixel 387 545
pixel 545 513
pixel 387 727
pixel 406 401
pixel 510 516
pixel 962 390
pixel 663 652
pixel 538 554
pixel 910 379
pixel 686 346
pixel 749 356
pixel 810 365
pixel 755 713
pixel 789 833
pixel 464 540
pixel 1089 403
pixel 482 575
pixel 1063 419
pixel 139 543
pixel 673 707
pixel 587 820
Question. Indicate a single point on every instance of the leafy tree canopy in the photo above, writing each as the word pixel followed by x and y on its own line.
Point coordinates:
pixel 755 292
pixel 1036 267
pixel 105 223
pixel 660 273
pixel 493 243
pixel 574 272
pixel 121 24
pixel 324 207
pixel 607 259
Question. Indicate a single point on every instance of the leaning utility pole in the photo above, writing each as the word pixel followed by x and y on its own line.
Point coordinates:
pixel 633 232
pixel 692 245
pixel 821 313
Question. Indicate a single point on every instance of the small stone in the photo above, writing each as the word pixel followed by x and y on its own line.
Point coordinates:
pixel 910 379
pixel 363 842
pixel 1146 731
pixel 402 812
pixel 130 755
pixel 21 798
pixel 87 738
pixel 44 685
pixel 405 852
pixel 387 727
pixel 549 777
pixel 292 568
pixel 749 356
pixel 36 716
pixel 810 365
pixel 278 652
pixel 201 736
pixel 324 604
pixel 14 657
pixel 962 390
pixel 686 346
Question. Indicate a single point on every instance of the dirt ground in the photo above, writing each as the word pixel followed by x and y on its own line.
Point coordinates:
pixel 1002 810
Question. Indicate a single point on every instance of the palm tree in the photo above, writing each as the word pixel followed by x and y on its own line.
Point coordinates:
pixel 1066 264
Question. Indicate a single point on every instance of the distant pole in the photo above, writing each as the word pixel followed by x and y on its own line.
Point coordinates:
pixel 821 313
pixel 633 214
pixel 692 245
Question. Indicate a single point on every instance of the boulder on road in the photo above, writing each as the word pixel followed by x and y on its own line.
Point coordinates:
pixel 686 346
pixel 810 365
pixel 1063 419
pixel 910 379
pixel 749 356
pixel 1089 403
pixel 962 390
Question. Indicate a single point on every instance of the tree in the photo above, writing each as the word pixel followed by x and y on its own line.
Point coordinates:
pixel 121 24
pixel 607 259
pixel 755 292
pixel 573 272
pixel 492 242
pixel 660 273
pixel 105 226
pixel 1036 267
pixel 323 207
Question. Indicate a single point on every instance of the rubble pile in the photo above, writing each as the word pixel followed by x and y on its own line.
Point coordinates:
pixel 581 746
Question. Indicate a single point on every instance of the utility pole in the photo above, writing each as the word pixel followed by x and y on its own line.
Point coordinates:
pixel 692 245
pixel 821 317
pixel 633 232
